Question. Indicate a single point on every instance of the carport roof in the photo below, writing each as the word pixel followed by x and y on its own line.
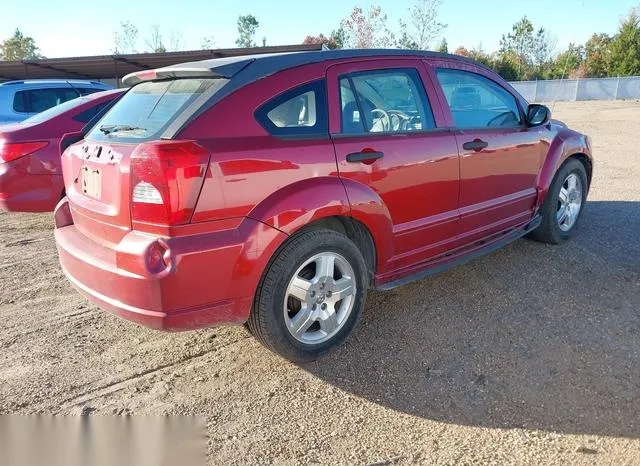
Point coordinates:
pixel 117 66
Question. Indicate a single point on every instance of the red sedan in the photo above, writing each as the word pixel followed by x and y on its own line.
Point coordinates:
pixel 276 190
pixel 30 170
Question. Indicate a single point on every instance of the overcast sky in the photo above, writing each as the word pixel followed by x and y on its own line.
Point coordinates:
pixel 70 28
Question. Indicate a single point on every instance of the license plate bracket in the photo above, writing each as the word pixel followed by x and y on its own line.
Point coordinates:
pixel 92 182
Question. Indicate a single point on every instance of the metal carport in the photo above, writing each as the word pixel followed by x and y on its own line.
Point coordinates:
pixel 114 67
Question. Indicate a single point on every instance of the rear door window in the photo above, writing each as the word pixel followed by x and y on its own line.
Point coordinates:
pixel 39 100
pixel 384 101
pixel 145 111
pixel 478 102
pixel 55 111
pixel 301 111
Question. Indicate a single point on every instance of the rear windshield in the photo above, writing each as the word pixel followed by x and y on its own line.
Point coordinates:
pixel 148 109
pixel 55 111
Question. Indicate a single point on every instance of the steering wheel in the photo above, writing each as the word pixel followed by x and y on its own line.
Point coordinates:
pixel 399 120
pixel 506 116
pixel 385 120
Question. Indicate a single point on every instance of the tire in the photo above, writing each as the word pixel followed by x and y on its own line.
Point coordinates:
pixel 556 227
pixel 324 310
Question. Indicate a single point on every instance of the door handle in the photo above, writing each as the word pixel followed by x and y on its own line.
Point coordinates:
pixel 364 157
pixel 476 145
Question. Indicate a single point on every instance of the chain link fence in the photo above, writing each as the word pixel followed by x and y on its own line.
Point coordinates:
pixel 579 89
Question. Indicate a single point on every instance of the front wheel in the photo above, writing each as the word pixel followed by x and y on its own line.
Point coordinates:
pixel 563 205
pixel 311 295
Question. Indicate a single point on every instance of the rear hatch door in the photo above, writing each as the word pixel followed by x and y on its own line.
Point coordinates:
pixel 97 169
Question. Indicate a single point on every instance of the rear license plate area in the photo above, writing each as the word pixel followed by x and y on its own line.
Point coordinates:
pixel 92 182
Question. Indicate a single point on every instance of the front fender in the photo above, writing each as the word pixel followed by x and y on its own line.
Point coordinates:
pixel 565 144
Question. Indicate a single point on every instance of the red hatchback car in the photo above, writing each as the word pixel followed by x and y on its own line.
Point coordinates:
pixel 30 170
pixel 276 190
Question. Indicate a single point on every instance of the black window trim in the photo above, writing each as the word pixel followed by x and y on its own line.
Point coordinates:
pixel 319 131
pixel 79 117
pixel 91 123
pixel 426 103
pixel 523 121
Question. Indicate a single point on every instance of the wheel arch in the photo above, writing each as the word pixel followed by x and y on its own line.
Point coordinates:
pixel 574 146
pixel 345 206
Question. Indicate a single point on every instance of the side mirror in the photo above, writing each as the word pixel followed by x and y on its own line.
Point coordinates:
pixel 538 115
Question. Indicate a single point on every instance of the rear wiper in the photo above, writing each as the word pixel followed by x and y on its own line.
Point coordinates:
pixel 108 129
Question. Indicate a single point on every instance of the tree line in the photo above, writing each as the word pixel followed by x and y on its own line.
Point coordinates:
pixel 526 52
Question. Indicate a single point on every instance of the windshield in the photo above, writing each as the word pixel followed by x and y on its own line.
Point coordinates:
pixel 55 111
pixel 148 109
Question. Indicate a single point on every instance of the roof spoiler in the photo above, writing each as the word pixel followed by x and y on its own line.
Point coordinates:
pixel 222 68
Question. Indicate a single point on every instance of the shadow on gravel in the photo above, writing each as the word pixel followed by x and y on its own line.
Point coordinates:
pixel 533 336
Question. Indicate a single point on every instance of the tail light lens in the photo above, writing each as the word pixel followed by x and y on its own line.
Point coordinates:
pixel 14 150
pixel 166 178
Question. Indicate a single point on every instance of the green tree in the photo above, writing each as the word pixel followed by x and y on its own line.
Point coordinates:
pixel 19 47
pixel 625 48
pixel 569 64
pixel 405 41
pixel 338 36
pixel 247 26
pixel 598 56
pixel 526 49
pixel 507 65
pixel 443 47
pixel 517 45
pixel 478 54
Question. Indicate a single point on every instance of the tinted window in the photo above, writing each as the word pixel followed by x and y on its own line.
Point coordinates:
pixel 21 102
pixel 384 101
pixel 88 114
pixel 150 107
pixel 478 102
pixel 39 100
pixel 55 111
pixel 298 112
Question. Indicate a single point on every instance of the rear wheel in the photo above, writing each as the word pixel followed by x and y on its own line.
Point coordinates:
pixel 311 295
pixel 563 205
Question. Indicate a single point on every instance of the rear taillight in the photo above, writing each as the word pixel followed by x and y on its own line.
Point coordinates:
pixel 14 150
pixel 166 178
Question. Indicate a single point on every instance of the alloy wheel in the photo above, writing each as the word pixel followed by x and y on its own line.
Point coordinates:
pixel 319 298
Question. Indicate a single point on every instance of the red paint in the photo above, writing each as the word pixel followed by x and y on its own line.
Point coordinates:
pixel 33 182
pixel 427 200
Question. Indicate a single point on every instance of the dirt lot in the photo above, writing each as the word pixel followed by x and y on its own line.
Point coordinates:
pixel 529 355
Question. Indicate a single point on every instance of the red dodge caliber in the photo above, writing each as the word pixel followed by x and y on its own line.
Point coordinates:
pixel 30 171
pixel 276 190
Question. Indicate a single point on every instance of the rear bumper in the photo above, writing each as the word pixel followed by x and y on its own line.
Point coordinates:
pixel 25 192
pixel 211 279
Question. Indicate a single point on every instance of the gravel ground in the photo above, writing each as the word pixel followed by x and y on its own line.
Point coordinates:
pixel 529 355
